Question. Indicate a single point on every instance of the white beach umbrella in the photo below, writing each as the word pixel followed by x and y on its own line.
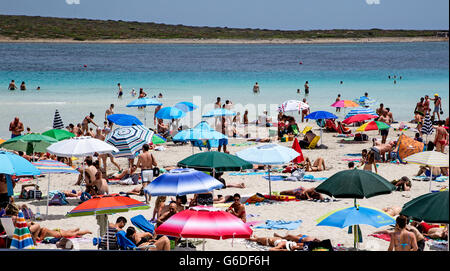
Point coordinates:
pixel 429 158
pixel 80 147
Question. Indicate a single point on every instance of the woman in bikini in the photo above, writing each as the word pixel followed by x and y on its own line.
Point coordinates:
pixel 85 123
pixel 303 194
pixel 319 165
pixel 401 238
pixel 145 240
pixel 370 164
pixel 276 243
pixel 43 232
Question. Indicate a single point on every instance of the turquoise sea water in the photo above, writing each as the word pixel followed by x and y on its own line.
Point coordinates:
pixel 183 71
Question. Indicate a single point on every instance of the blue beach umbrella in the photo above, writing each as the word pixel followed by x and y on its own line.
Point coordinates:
pixel 182 182
pixel 201 131
pixel 143 102
pixel 219 112
pixel 12 164
pixel 321 115
pixel 365 101
pixel 124 119
pixel 186 106
pixel 354 216
pixel 268 154
pixel 170 113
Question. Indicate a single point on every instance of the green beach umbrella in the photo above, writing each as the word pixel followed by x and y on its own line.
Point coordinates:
pixel 157 139
pixel 373 125
pixel 355 183
pixel 29 143
pixel 217 161
pixel 58 134
pixel 431 207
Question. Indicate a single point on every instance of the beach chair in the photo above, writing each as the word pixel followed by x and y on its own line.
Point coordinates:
pixel 307 129
pixel 143 224
pixel 126 244
pixel 9 227
pixel 313 143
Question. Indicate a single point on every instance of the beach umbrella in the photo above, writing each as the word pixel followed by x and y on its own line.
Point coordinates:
pixel 219 112
pixel 129 139
pixel 12 164
pixel 206 223
pixel 58 134
pixel 22 236
pixel 429 158
pixel 142 103
pixel 296 147
pixel 430 207
pixel 106 205
pixel 365 101
pixel 215 161
pixel 361 110
pixel 29 143
pixel 2 140
pixel 53 167
pixel 373 125
pixel 321 115
pixel 345 103
pixel 355 216
pixel 359 118
pixel 186 106
pixel 57 121
pixel 124 120
pixel 427 126
pixel 158 139
pixel 182 182
pixel 201 131
pixel 268 154
pixel 170 113
pixel 292 106
pixel 356 184
pixel 80 147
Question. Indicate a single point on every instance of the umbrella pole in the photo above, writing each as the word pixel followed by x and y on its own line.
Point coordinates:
pixel 431 177
pixel 203 244
pixel 48 194
pixel 270 183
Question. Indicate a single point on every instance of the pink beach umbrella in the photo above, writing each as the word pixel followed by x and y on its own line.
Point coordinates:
pixel 205 222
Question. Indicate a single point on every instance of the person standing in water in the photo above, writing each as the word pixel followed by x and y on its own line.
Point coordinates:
pixel 256 88
pixel 306 87
pixel 120 91
pixel 22 86
pixel 12 85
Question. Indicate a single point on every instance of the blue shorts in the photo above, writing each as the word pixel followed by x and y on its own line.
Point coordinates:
pixel 13 136
pixel 223 142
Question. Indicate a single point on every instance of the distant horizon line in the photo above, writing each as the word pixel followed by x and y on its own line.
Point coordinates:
pixel 226 27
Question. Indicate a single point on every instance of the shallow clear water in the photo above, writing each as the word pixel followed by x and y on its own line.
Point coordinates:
pixel 182 71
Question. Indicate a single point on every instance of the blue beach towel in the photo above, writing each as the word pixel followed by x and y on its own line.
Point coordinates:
pixel 280 225
pixel 275 177
pixel 143 224
pixel 311 178
pixel 353 154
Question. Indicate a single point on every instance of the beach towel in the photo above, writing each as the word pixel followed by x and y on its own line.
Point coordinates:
pixel 427 178
pixel 384 236
pixel 311 178
pixel 253 223
pixel 140 222
pixel 247 173
pixel 255 198
pixel 275 177
pixel 280 225
pixel 351 159
pixel 353 154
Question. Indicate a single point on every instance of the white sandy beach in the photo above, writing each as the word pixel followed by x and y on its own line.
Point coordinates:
pixel 307 211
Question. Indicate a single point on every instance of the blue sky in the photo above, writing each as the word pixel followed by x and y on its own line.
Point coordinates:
pixel 264 14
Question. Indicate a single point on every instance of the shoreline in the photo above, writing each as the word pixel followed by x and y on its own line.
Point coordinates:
pixel 232 41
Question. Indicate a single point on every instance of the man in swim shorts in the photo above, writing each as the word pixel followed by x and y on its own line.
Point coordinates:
pixel 146 162
pixel 16 127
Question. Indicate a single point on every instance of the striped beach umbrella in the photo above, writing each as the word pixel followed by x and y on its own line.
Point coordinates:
pixel 22 237
pixel 206 223
pixel 427 127
pixel 57 121
pixel 52 167
pixel 361 110
pixel 129 140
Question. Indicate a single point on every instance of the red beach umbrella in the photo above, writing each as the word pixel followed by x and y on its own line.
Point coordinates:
pixel 205 222
pixel 296 147
pixel 107 204
pixel 359 118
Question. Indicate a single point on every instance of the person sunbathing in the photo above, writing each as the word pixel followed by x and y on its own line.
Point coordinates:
pixel 147 241
pixel 302 193
pixel 393 210
pixel 319 165
pixel 299 238
pixel 127 174
pixel 218 176
pixel 41 233
pixel 404 184
pixel 276 243
pixel 438 233
pixel 437 171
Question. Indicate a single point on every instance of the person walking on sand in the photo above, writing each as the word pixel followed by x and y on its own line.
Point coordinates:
pixel 16 127
pixel 386 119
pixel 338 109
pixel 437 106
pixel 256 88
pixel 146 162
pixel 85 123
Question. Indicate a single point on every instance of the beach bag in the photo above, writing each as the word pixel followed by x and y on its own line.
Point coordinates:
pixel 298 173
pixel 30 194
pixel 58 199
pixel 156 171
